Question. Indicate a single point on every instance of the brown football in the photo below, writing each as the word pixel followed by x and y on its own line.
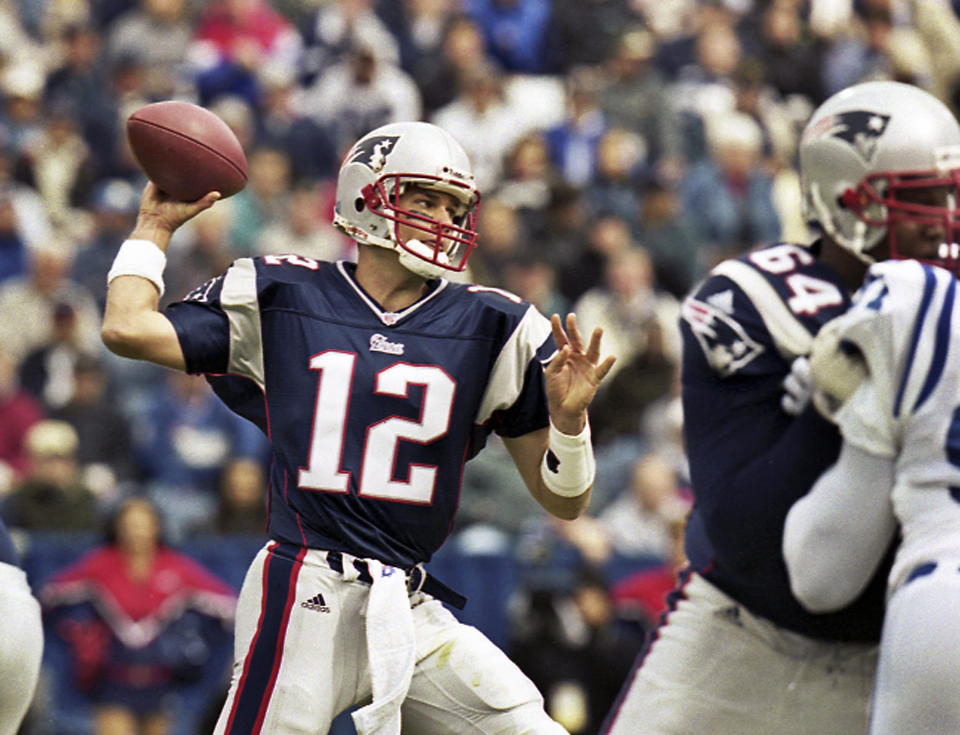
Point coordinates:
pixel 186 150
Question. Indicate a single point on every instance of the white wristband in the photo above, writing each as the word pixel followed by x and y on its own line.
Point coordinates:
pixel 139 258
pixel 568 466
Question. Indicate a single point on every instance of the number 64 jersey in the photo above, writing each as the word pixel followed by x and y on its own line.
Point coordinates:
pixel 750 461
pixel 371 415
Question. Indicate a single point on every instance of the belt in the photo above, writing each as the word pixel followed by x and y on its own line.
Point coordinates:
pixel 418 580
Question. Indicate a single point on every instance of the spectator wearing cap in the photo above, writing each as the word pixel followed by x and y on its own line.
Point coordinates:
pixel 52 496
pixel 105 448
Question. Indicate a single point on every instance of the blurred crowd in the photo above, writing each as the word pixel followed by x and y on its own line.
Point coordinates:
pixel 622 147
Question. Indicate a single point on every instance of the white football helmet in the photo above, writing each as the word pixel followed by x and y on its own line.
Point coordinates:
pixel 377 171
pixel 862 153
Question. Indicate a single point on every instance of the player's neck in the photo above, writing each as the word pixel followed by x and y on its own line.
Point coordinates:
pixel 850 268
pixel 386 281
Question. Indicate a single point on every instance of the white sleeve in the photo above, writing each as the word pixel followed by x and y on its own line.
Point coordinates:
pixel 838 532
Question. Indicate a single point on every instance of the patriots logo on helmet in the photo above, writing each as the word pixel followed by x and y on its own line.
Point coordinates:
pixel 860 128
pixel 372 152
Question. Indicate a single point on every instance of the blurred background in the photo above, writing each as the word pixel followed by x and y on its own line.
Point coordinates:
pixel 622 146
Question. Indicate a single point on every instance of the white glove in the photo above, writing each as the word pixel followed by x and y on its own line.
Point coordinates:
pixel 797 387
pixel 836 372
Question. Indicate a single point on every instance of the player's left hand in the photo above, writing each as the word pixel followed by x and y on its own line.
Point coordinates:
pixel 573 376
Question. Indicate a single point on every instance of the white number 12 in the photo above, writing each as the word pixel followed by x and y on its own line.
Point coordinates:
pixel 323 472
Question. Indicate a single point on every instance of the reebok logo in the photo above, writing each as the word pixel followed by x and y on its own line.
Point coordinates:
pixel 316 603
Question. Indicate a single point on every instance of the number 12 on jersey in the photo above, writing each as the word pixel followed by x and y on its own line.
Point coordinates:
pixel 323 472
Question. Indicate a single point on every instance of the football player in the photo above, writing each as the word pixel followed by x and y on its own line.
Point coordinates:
pixel 375 383
pixel 21 639
pixel 738 654
pixel 887 373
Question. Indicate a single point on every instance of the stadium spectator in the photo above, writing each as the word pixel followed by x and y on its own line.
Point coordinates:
pixel 33 298
pixel 515 31
pixel 282 122
pixel 232 39
pixel 636 97
pixel 156 35
pixel 182 440
pixel 59 164
pixel 139 620
pixel 573 142
pixel 47 370
pixel 80 84
pixel 364 90
pixel 20 411
pixel 482 121
pixel 639 521
pixel 583 32
pixel 264 201
pixel 52 495
pixel 621 167
pixel 667 231
pixel 730 193
pixel 575 647
pixel 105 449
pixel 113 205
pixel 241 508
pixel 25 218
pixel 304 230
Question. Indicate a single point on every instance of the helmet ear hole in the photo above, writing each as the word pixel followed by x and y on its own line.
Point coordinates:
pixel 358 204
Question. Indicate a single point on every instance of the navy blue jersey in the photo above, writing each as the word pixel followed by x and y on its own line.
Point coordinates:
pixel 8 553
pixel 371 415
pixel 749 461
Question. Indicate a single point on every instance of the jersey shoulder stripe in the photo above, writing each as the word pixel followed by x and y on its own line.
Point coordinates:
pixel 239 299
pixel 506 379
pixel 790 336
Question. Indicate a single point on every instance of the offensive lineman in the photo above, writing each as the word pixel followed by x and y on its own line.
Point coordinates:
pixel 21 639
pixel 375 383
pixel 738 654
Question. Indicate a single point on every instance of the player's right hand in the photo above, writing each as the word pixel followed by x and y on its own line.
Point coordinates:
pixel 160 215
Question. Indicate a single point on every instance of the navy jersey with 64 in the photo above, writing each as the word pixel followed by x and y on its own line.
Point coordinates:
pixel 749 461
pixel 371 414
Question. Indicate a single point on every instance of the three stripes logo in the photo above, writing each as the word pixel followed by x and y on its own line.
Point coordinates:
pixel 316 603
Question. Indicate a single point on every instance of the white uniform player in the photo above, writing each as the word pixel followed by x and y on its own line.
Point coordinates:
pixel 21 639
pixel 900 465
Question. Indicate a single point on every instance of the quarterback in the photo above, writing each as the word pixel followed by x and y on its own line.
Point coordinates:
pixel 375 383
pixel 739 654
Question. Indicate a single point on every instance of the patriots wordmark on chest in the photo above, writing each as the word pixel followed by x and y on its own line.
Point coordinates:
pixel 379 343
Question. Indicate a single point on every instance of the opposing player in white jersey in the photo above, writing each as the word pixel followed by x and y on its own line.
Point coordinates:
pixel 737 654
pixel 888 373
pixel 375 383
pixel 21 639
pixel 893 363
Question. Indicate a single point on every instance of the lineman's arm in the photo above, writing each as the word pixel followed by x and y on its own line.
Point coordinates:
pixel 837 534
pixel 132 326
pixel 556 463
